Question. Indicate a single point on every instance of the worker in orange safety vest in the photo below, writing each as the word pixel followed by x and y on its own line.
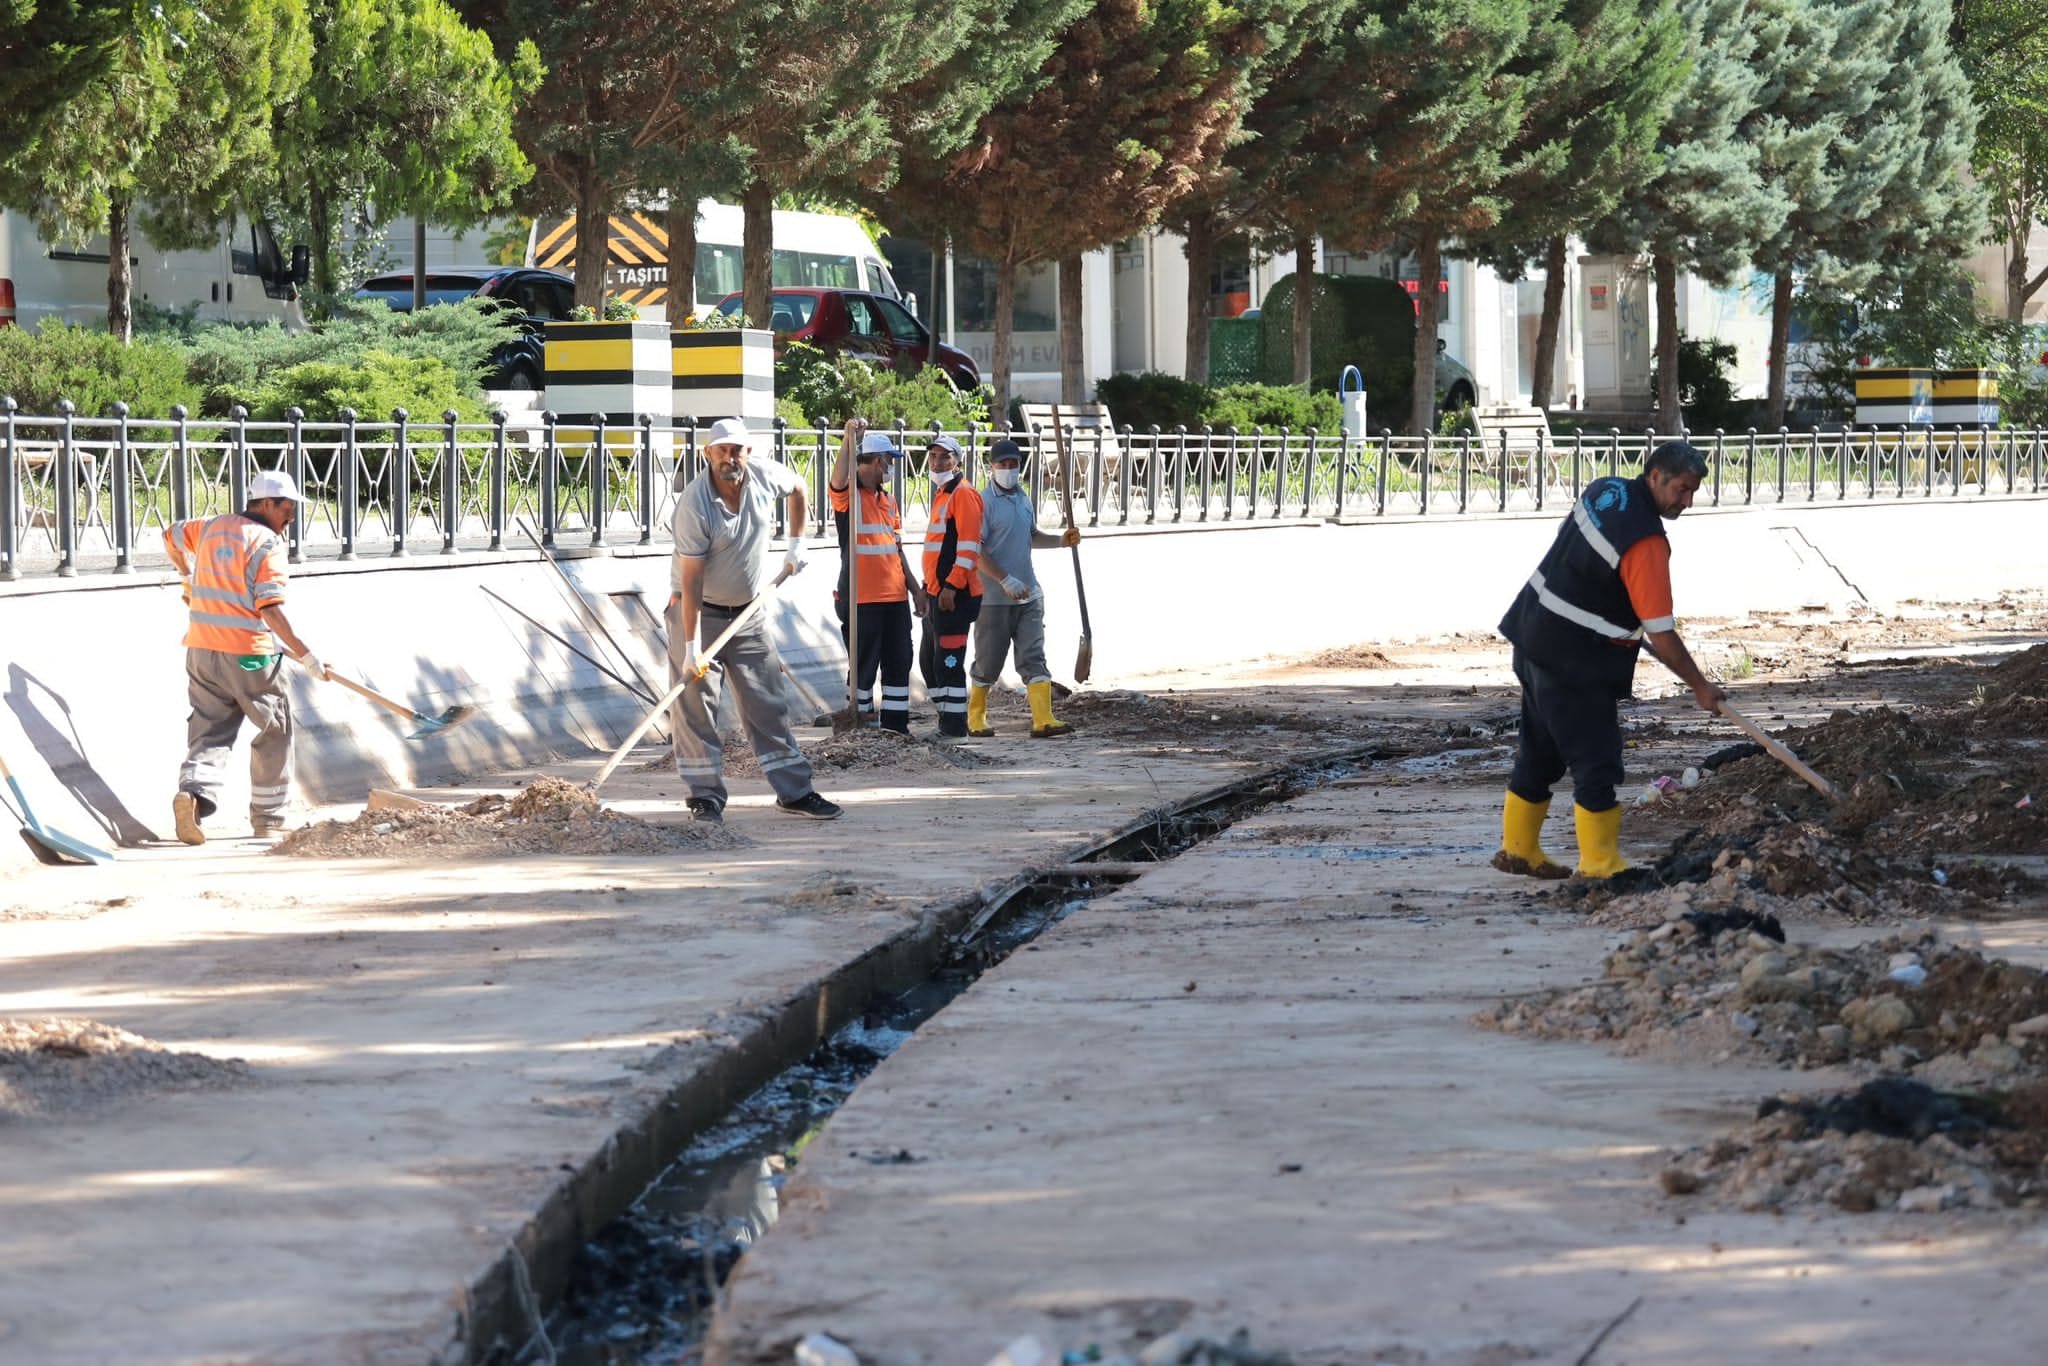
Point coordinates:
pixel 235 640
pixel 952 580
pixel 871 552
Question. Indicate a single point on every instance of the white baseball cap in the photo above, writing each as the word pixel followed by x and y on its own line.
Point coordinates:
pixel 878 443
pixel 730 431
pixel 273 484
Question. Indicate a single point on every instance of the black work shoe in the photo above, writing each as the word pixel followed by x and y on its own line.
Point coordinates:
pixel 705 810
pixel 812 805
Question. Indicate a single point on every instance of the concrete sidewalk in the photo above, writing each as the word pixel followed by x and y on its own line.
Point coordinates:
pixel 455 1058
pixel 1243 1091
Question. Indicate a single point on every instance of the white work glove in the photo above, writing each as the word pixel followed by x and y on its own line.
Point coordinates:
pixel 688 664
pixel 793 558
pixel 310 662
pixel 1016 588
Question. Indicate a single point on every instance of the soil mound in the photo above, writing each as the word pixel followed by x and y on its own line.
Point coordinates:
pixel 59 1065
pixel 1704 984
pixel 1350 657
pixel 1893 1144
pixel 548 816
pixel 873 747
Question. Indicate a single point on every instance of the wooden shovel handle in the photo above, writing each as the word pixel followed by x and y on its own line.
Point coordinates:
pixel 379 698
pixel 1778 751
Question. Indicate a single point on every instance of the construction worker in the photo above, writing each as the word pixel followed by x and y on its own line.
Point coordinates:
pixel 1602 591
pixel 952 581
pixel 722 524
pixel 1013 604
pixel 234 572
pixel 872 551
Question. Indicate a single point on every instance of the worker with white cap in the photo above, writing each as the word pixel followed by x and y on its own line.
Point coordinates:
pixel 1013 603
pixel 723 521
pixel 871 557
pixel 234 567
pixel 952 580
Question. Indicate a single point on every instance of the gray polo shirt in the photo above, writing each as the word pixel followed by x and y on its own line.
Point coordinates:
pixel 1006 523
pixel 730 543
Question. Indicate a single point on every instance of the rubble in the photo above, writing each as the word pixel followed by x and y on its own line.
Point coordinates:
pixel 548 816
pixel 60 1065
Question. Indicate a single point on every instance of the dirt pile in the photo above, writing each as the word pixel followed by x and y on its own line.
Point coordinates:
pixel 1893 1144
pixel 548 816
pixel 1350 657
pixel 1721 983
pixel 56 1066
pixel 1126 712
pixel 873 747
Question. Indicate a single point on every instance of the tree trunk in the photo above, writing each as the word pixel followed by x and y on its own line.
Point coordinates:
pixel 1781 337
pixel 757 251
pixel 1073 361
pixel 1006 326
pixel 593 243
pixel 1670 419
pixel 1304 305
pixel 682 255
pixel 120 281
pixel 1201 250
pixel 320 226
pixel 419 264
pixel 1429 268
pixel 1543 380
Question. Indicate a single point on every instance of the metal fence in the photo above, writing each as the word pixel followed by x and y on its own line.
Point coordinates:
pixel 92 495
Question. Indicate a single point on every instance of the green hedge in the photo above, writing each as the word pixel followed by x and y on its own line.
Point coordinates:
pixel 1356 320
pixel 94 371
pixel 1153 399
pixel 820 388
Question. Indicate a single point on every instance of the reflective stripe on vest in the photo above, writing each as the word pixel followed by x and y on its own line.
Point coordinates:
pixel 1578 615
pixel 878 558
pixel 228 555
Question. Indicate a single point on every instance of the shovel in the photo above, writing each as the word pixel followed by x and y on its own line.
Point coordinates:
pixel 1084 660
pixel 668 698
pixel 1778 751
pixel 428 725
pixel 48 845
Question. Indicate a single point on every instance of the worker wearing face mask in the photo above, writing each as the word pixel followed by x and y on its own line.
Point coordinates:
pixel 1013 604
pixel 952 580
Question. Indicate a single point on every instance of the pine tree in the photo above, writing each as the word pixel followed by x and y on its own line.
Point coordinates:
pixel 1711 203
pixel 1137 94
pixel 1888 185
pixel 177 120
pixel 1603 75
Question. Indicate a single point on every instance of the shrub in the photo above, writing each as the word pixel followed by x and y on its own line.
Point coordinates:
pixel 373 384
pixel 791 412
pixel 1152 398
pixel 819 388
pixel 1273 406
pixel 813 384
pixel 1353 320
pixel 1705 391
pixel 93 370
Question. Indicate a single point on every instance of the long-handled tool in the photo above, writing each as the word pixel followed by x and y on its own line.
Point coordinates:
pixel 589 614
pixel 428 725
pixel 1777 751
pixel 1084 660
pixel 646 695
pixel 50 846
pixel 703 667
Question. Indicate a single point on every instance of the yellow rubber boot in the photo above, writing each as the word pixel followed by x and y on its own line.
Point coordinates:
pixel 1043 725
pixel 977 713
pixel 1521 846
pixel 1599 842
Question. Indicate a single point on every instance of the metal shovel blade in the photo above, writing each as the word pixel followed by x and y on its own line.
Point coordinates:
pixel 435 725
pixel 59 850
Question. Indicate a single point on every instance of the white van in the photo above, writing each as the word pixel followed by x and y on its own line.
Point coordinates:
pixel 825 250
pixel 225 281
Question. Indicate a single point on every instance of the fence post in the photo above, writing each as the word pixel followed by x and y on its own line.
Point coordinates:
pixel 67 494
pixel 351 476
pixel 600 480
pixel 1123 479
pixel 401 481
pixel 1308 474
pixel 1507 471
pixel 1427 471
pixel 124 494
pixel 295 466
pixel 547 480
pixel 780 445
pixel 1720 453
pixel 181 466
pixel 451 482
pixel 496 509
pixel 1578 462
pixel 1465 470
pixel 821 483
pixel 10 496
pixel 1540 471
pixel 1379 478
pixel 1180 469
pixel 643 474
pixel 238 461
pixel 1205 483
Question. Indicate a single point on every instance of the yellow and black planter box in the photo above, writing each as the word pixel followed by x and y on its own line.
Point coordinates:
pixel 724 372
pixel 615 371
pixel 1894 398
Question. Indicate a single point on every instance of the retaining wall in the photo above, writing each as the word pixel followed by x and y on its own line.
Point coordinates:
pixel 93 721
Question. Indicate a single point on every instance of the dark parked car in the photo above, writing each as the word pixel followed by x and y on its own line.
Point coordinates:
pixel 539 294
pixel 852 322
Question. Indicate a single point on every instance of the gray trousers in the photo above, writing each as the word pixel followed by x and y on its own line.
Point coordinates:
pixel 223 695
pixel 1001 625
pixel 756 671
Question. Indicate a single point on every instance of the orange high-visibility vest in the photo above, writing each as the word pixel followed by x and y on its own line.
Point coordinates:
pixel 238 569
pixel 952 540
pixel 875 538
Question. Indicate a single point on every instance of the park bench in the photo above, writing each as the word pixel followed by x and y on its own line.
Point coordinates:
pixel 1092 442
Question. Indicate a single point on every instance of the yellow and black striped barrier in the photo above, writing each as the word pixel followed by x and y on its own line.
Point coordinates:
pixel 1965 398
pixel 614 372
pixel 724 372
pixel 1894 398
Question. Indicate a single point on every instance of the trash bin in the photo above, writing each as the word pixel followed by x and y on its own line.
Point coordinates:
pixel 1351 395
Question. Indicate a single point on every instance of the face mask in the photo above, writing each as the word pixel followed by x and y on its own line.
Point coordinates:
pixel 944 480
pixel 1005 479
